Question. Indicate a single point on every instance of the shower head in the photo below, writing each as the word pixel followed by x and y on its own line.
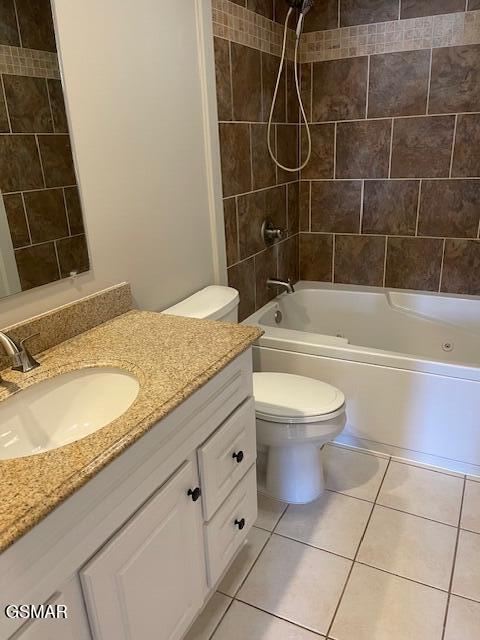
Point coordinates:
pixel 303 6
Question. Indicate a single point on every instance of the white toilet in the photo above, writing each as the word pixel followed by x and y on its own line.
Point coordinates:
pixel 296 416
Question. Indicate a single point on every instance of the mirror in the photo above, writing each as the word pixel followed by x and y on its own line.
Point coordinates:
pixel 42 235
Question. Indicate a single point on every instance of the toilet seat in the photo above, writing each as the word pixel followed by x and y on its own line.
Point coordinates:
pixel 290 399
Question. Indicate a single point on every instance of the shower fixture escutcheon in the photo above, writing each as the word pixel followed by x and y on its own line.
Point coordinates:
pixel 270 233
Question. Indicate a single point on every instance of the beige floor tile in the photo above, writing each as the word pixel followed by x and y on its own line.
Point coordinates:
pixel 471 507
pixel 207 621
pixel 422 492
pixel 463 622
pixel 296 582
pixel 242 564
pixel 466 578
pixel 409 546
pixel 379 606
pixel 356 474
pixel 474 478
pixel 335 522
pixel 246 623
pixel 269 512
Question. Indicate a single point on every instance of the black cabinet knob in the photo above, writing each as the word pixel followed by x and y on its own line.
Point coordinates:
pixel 194 493
pixel 238 456
pixel 240 523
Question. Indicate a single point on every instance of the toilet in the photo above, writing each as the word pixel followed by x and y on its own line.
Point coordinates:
pixel 296 416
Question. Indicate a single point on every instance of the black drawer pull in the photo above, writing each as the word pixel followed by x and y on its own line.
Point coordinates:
pixel 238 456
pixel 195 493
pixel 240 523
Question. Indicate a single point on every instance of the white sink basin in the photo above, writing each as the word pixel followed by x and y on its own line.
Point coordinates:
pixel 64 409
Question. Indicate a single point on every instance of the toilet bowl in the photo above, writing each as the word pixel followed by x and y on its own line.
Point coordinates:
pixel 296 416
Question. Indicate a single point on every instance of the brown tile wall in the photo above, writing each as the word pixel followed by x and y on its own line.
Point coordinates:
pixel 392 194
pixel 253 188
pixel 37 176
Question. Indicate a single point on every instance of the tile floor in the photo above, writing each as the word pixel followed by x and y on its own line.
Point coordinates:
pixel 390 552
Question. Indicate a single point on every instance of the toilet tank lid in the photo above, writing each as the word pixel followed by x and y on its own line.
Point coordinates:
pixel 291 396
pixel 210 303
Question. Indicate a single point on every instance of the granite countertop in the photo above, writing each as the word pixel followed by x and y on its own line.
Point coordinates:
pixel 171 357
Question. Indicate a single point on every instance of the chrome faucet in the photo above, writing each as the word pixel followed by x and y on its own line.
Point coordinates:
pixel 22 359
pixel 286 284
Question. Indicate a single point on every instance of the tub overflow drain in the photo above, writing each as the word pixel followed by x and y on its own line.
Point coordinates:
pixel 447 346
pixel 278 316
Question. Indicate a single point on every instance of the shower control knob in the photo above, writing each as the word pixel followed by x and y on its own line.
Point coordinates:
pixel 270 233
pixel 194 493
pixel 238 456
pixel 240 523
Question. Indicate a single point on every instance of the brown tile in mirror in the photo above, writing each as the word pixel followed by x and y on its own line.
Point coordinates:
pixel 398 84
pixel 57 160
pixel 323 16
pixel 414 263
pixel 336 206
pixel 359 260
pixel 242 278
pixel 455 83
pixel 449 208
pixel 37 265
pixel 466 155
pixel 293 208
pixel 17 221
pixel 363 149
pixel 354 12
pixel 316 254
pixel 20 167
pixel 263 169
pixel 36 24
pixel 287 151
pixel 235 158
pixel 246 83
pixel 46 215
pixel 270 66
pixel 390 207
pixel 340 89
pixel 8 24
pixel 74 210
pixel 72 255
pixel 461 266
pixel 262 7
pixel 473 5
pixel 304 205
pixel 28 104
pixel 422 147
pixel 419 8
pixel 57 103
pixel 4 123
pixel 223 78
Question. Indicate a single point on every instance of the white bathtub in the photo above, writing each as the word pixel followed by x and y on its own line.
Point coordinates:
pixel 408 363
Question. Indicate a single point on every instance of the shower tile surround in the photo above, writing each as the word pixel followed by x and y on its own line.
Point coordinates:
pixel 391 196
pixel 37 176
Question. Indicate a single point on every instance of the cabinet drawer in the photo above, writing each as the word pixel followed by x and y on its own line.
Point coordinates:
pixel 223 537
pixel 226 456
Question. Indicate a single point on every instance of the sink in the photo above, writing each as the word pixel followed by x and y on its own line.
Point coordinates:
pixel 64 409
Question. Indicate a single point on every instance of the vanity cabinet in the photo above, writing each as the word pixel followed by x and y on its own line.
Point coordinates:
pixel 145 542
pixel 149 580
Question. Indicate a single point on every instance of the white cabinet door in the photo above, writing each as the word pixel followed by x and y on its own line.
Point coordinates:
pixel 149 580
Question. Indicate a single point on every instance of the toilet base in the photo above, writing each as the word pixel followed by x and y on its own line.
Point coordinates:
pixel 294 474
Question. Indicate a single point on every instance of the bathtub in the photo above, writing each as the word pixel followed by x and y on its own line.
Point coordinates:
pixel 408 363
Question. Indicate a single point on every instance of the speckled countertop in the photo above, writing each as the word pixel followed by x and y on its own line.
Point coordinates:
pixel 171 357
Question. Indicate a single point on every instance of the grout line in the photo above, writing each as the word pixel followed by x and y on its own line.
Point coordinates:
pixel 231 78
pixel 357 552
pixel 362 206
pixel 232 600
pixel 391 150
pixel 453 145
pixel 274 615
pixel 339 14
pixel 4 93
pixel 454 559
pixel 41 162
pixel 418 207
pixel 368 88
pixel 385 262
pixel 250 134
pixel 237 224
pixel 58 259
pixel 17 21
pixel 335 133
pixel 310 206
pixel 66 212
pixel 429 82
pixel 311 90
pixel 400 9
pixel 334 242
pixel 440 281
pixel 26 219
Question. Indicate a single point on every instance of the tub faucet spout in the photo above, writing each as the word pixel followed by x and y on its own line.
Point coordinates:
pixel 286 284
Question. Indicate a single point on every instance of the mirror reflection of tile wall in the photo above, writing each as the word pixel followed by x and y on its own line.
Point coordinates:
pixel 37 175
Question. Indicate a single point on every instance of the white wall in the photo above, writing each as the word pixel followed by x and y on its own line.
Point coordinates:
pixel 139 84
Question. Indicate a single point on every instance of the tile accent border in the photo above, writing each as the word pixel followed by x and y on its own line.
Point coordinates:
pixel 387 37
pixel 237 24
pixel 29 62
pixel 70 320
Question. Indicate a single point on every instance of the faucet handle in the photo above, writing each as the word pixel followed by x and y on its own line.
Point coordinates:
pixel 24 361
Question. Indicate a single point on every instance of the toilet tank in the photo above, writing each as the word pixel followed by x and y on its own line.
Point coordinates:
pixel 212 303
